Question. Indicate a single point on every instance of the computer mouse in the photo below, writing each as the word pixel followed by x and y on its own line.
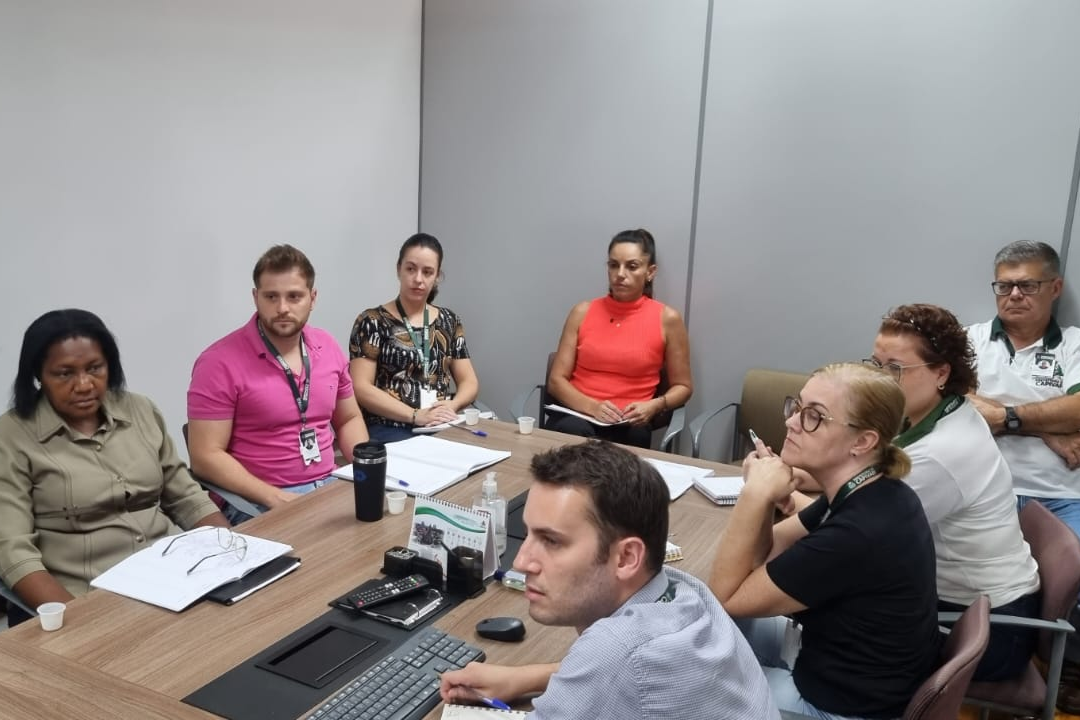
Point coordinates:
pixel 507 629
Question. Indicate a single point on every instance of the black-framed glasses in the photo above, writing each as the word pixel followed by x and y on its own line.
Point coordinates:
pixel 229 543
pixel 809 417
pixel 894 369
pixel 1027 287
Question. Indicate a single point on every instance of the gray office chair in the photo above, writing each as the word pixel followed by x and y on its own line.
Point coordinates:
pixel 240 503
pixel 12 599
pixel 761 408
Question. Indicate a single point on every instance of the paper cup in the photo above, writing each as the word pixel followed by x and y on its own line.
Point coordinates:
pixel 396 501
pixel 472 416
pixel 525 425
pixel 51 615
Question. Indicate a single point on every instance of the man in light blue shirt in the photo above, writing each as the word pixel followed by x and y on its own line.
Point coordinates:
pixel 653 641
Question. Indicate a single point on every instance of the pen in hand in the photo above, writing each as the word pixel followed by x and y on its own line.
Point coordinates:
pixel 489 701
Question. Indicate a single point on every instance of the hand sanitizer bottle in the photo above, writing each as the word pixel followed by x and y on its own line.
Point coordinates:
pixel 490 500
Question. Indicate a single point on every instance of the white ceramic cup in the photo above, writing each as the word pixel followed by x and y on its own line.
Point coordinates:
pixel 395 500
pixel 51 615
pixel 525 425
pixel 472 416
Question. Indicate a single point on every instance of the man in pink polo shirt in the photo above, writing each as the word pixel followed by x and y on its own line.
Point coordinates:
pixel 267 400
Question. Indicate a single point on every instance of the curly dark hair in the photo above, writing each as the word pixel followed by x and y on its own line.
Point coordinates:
pixel 941 340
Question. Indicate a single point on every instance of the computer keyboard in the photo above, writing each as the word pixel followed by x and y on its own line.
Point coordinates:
pixel 404 685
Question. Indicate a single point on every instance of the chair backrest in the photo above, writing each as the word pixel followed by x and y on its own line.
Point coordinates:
pixel 762 407
pixel 1056 549
pixel 941 694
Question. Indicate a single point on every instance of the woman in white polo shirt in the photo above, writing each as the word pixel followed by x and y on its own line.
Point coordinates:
pixel 961 478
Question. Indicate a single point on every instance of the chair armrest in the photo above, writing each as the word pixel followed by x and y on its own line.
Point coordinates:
pixel 1015 621
pixel 9 595
pixel 240 503
pixel 698 424
pixel 678 422
pixel 517 405
pixel 483 408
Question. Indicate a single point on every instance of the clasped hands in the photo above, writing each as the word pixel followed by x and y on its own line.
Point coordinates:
pixel 441 412
pixel 636 413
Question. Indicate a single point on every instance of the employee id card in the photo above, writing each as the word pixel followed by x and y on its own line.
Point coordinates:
pixel 428 396
pixel 309 446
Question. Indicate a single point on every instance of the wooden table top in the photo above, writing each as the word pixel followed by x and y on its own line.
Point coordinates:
pixel 172 654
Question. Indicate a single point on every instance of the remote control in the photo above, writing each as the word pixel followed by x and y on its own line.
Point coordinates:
pixel 370 597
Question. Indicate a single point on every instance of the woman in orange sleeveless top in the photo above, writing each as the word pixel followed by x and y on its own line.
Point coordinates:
pixel 612 350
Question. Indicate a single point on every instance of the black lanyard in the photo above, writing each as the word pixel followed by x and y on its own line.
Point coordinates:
pixel 421 346
pixel 301 398
pixel 849 487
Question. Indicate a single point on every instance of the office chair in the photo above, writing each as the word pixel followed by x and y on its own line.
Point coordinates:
pixel 761 408
pixel 940 695
pixel 1057 551
pixel 671 421
pixel 12 599
pixel 240 503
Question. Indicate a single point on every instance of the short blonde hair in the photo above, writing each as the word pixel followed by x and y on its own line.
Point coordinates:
pixel 874 402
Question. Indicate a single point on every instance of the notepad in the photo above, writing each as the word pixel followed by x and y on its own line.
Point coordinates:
pixel 475 712
pixel 575 413
pixel 429 429
pixel 165 581
pixel 425 465
pixel 678 477
pixel 721 490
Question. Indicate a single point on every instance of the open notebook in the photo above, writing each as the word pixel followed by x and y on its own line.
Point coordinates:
pixel 424 465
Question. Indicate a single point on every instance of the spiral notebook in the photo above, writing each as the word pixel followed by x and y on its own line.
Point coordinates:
pixel 438 525
pixel 475 712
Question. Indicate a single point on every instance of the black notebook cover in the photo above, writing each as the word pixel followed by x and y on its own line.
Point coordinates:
pixel 260 577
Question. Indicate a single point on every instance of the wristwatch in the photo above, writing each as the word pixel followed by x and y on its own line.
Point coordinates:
pixel 1012 420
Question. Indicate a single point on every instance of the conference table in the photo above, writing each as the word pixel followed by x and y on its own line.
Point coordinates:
pixel 120 658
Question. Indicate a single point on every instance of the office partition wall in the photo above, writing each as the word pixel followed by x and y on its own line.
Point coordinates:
pixel 853 156
pixel 548 127
pixel 151 151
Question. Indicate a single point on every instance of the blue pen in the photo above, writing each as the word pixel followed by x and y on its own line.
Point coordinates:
pixel 481 433
pixel 489 701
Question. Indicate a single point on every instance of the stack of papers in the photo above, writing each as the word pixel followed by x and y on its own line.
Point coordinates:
pixel 424 465
pixel 678 477
pixel 721 490
pixel 165 581
pixel 575 413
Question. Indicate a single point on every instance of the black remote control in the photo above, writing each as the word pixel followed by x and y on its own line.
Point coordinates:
pixel 370 597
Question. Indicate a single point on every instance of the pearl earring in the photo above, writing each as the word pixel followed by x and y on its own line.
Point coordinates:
pixel 941 386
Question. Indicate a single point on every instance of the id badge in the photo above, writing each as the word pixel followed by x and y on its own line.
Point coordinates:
pixel 792 643
pixel 427 397
pixel 309 446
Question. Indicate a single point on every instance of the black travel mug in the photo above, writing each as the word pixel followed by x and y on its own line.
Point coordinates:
pixel 369 480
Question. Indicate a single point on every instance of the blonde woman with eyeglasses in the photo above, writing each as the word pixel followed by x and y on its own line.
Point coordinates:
pixel 854 569
pixel 961 478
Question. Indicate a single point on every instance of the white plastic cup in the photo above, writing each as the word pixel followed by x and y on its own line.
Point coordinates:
pixel 51 615
pixel 395 500
pixel 525 425
pixel 472 416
